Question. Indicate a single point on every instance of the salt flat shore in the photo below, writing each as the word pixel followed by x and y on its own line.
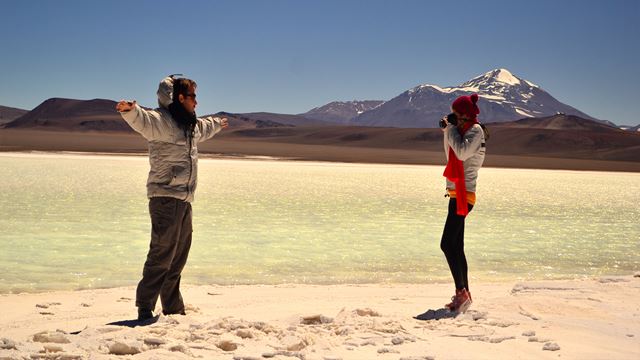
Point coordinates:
pixel 304 149
pixel 572 319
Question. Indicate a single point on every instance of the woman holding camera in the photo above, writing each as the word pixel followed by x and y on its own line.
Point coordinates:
pixel 464 144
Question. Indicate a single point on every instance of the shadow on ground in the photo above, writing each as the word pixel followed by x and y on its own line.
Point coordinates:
pixel 431 314
pixel 136 322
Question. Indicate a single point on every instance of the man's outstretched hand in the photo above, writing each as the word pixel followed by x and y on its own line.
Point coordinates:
pixel 124 105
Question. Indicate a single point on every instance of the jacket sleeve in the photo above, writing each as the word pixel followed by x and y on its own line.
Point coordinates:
pixel 467 146
pixel 209 126
pixel 446 146
pixel 148 123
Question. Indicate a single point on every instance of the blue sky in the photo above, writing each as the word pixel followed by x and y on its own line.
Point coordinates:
pixel 289 56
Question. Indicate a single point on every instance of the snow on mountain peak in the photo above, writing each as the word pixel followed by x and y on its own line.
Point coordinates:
pixel 497 77
pixel 503 75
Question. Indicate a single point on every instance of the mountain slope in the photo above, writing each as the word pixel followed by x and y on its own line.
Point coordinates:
pixel 8 114
pixel 503 97
pixel 341 112
pixel 561 122
pixel 100 115
pixel 284 119
pixel 71 114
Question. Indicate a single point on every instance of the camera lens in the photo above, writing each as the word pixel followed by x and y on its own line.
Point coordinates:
pixel 452 119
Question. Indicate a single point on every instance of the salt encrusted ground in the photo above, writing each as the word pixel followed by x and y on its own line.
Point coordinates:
pixel 580 319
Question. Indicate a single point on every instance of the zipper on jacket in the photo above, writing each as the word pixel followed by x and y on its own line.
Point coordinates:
pixel 189 142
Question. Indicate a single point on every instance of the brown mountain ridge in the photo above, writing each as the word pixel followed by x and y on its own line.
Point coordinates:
pixel 72 115
pixel 84 126
pixel 8 114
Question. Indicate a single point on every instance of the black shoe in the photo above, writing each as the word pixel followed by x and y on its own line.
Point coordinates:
pixel 179 312
pixel 144 314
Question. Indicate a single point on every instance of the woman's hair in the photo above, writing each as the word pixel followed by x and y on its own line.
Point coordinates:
pixel 181 87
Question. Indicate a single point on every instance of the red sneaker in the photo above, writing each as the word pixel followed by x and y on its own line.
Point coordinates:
pixel 460 302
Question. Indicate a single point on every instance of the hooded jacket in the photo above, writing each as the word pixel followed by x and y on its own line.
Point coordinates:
pixel 470 149
pixel 172 155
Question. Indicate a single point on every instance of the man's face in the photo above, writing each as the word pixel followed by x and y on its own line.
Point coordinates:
pixel 189 100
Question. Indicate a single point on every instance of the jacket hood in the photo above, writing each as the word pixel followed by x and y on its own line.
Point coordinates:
pixel 165 92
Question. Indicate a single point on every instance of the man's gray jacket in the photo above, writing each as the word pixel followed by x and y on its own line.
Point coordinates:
pixel 172 155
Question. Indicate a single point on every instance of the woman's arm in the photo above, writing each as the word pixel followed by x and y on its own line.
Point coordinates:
pixel 467 146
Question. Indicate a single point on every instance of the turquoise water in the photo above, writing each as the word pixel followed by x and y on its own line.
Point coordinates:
pixel 80 221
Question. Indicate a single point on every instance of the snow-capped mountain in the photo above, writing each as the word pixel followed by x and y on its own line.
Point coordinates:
pixel 503 97
pixel 341 111
pixel 635 128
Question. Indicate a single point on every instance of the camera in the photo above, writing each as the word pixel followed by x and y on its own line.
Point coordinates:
pixel 451 119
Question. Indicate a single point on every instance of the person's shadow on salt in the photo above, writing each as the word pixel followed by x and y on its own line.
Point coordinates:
pixel 436 314
pixel 136 322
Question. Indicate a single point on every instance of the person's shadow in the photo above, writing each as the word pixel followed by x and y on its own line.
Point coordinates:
pixel 135 322
pixel 441 313
pixel 128 323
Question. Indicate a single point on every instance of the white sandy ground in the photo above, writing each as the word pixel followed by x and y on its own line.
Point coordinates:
pixel 578 319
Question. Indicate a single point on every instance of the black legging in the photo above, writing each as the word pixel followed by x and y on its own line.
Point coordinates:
pixel 452 244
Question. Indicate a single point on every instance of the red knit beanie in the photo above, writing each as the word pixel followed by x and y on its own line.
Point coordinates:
pixel 466 105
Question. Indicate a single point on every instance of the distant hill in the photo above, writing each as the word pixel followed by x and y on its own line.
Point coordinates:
pixel 284 119
pixel 100 115
pixel 341 112
pixel 241 121
pixel 564 136
pixel 72 115
pixel 8 114
pixel 563 143
pixel 561 122
pixel 556 136
pixel 560 136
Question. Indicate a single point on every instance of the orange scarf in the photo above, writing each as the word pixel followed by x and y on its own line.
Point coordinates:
pixel 454 171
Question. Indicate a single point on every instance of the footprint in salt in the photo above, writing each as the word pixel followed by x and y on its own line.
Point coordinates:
pixel 244 334
pixel 368 342
pixel 526 313
pixel 154 342
pixel 47 305
pixel 551 347
pixel 315 320
pixel 533 338
pixel 58 337
pixel 120 348
pixel 181 348
pixel 367 312
pixel 7 344
pixel 539 339
pixel 385 350
pixel 492 340
pixel 227 345
pixel 501 323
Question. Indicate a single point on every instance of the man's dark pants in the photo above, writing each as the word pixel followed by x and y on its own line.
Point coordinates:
pixel 171 231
